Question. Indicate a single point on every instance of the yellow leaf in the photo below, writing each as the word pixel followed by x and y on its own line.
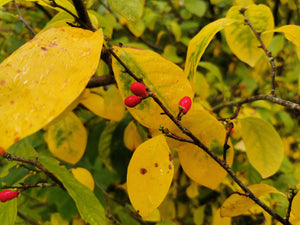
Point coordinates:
pixel 192 190
pixel 219 220
pixel 77 220
pixel 3 2
pixel 296 205
pixel 153 217
pixel 84 176
pixel 240 37
pixel 292 33
pixel 164 78
pixel 264 146
pixel 109 106
pixel 43 77
pixel 194 161
pixel 238 204
pixel 200 42
pixel 56 219
pixel 64 3
pixel 132 138
pixel 67 139
pixel 243 2
pixel 149 175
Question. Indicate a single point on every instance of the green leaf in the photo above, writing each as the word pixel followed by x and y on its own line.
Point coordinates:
pixel 200 42
pixel 241 38
pixel 165 223
pixel 105 144
pixel 137 29
pixel 24 149
pixel 197 7
pixel 132 10
pixel 87 204
pixel 170 52
pixel 264 146
pixel 8 212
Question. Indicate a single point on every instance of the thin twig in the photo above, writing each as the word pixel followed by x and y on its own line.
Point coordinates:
pixel 77 19
pixel 267 52
pixel 35 163
pixel 174 136
pixel 234 115
pixel 100 81
pixel 27 186
pixel 270 98
pixel 226 146
pixel 292 193
pixel 22 19
pixel 27 219
pixel 132 213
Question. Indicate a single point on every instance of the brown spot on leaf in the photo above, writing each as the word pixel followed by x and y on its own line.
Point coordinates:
pixel 52 44
pixel 2 82
pixel 156 164
pixel 138 211
pixel 170 166
pixel 12 102
pixel 16 139
pixel 143 171
pixel 170 157
pixel 44 49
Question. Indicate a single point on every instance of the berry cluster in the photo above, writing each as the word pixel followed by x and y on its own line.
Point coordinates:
pixel 8 195
pixel 139 91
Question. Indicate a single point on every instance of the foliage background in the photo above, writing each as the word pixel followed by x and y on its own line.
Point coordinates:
pixel 165 27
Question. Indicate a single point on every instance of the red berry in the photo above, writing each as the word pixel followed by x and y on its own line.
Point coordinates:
pixel 132 101
pixel 138 89
pixel 243 86
pixel 8 195
pixel 185 104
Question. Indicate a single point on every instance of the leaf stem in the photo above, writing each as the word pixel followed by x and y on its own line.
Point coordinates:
pixel 22 19
pixel 99 81
pixel 35 163
pixel 226 146
pixel 83 14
